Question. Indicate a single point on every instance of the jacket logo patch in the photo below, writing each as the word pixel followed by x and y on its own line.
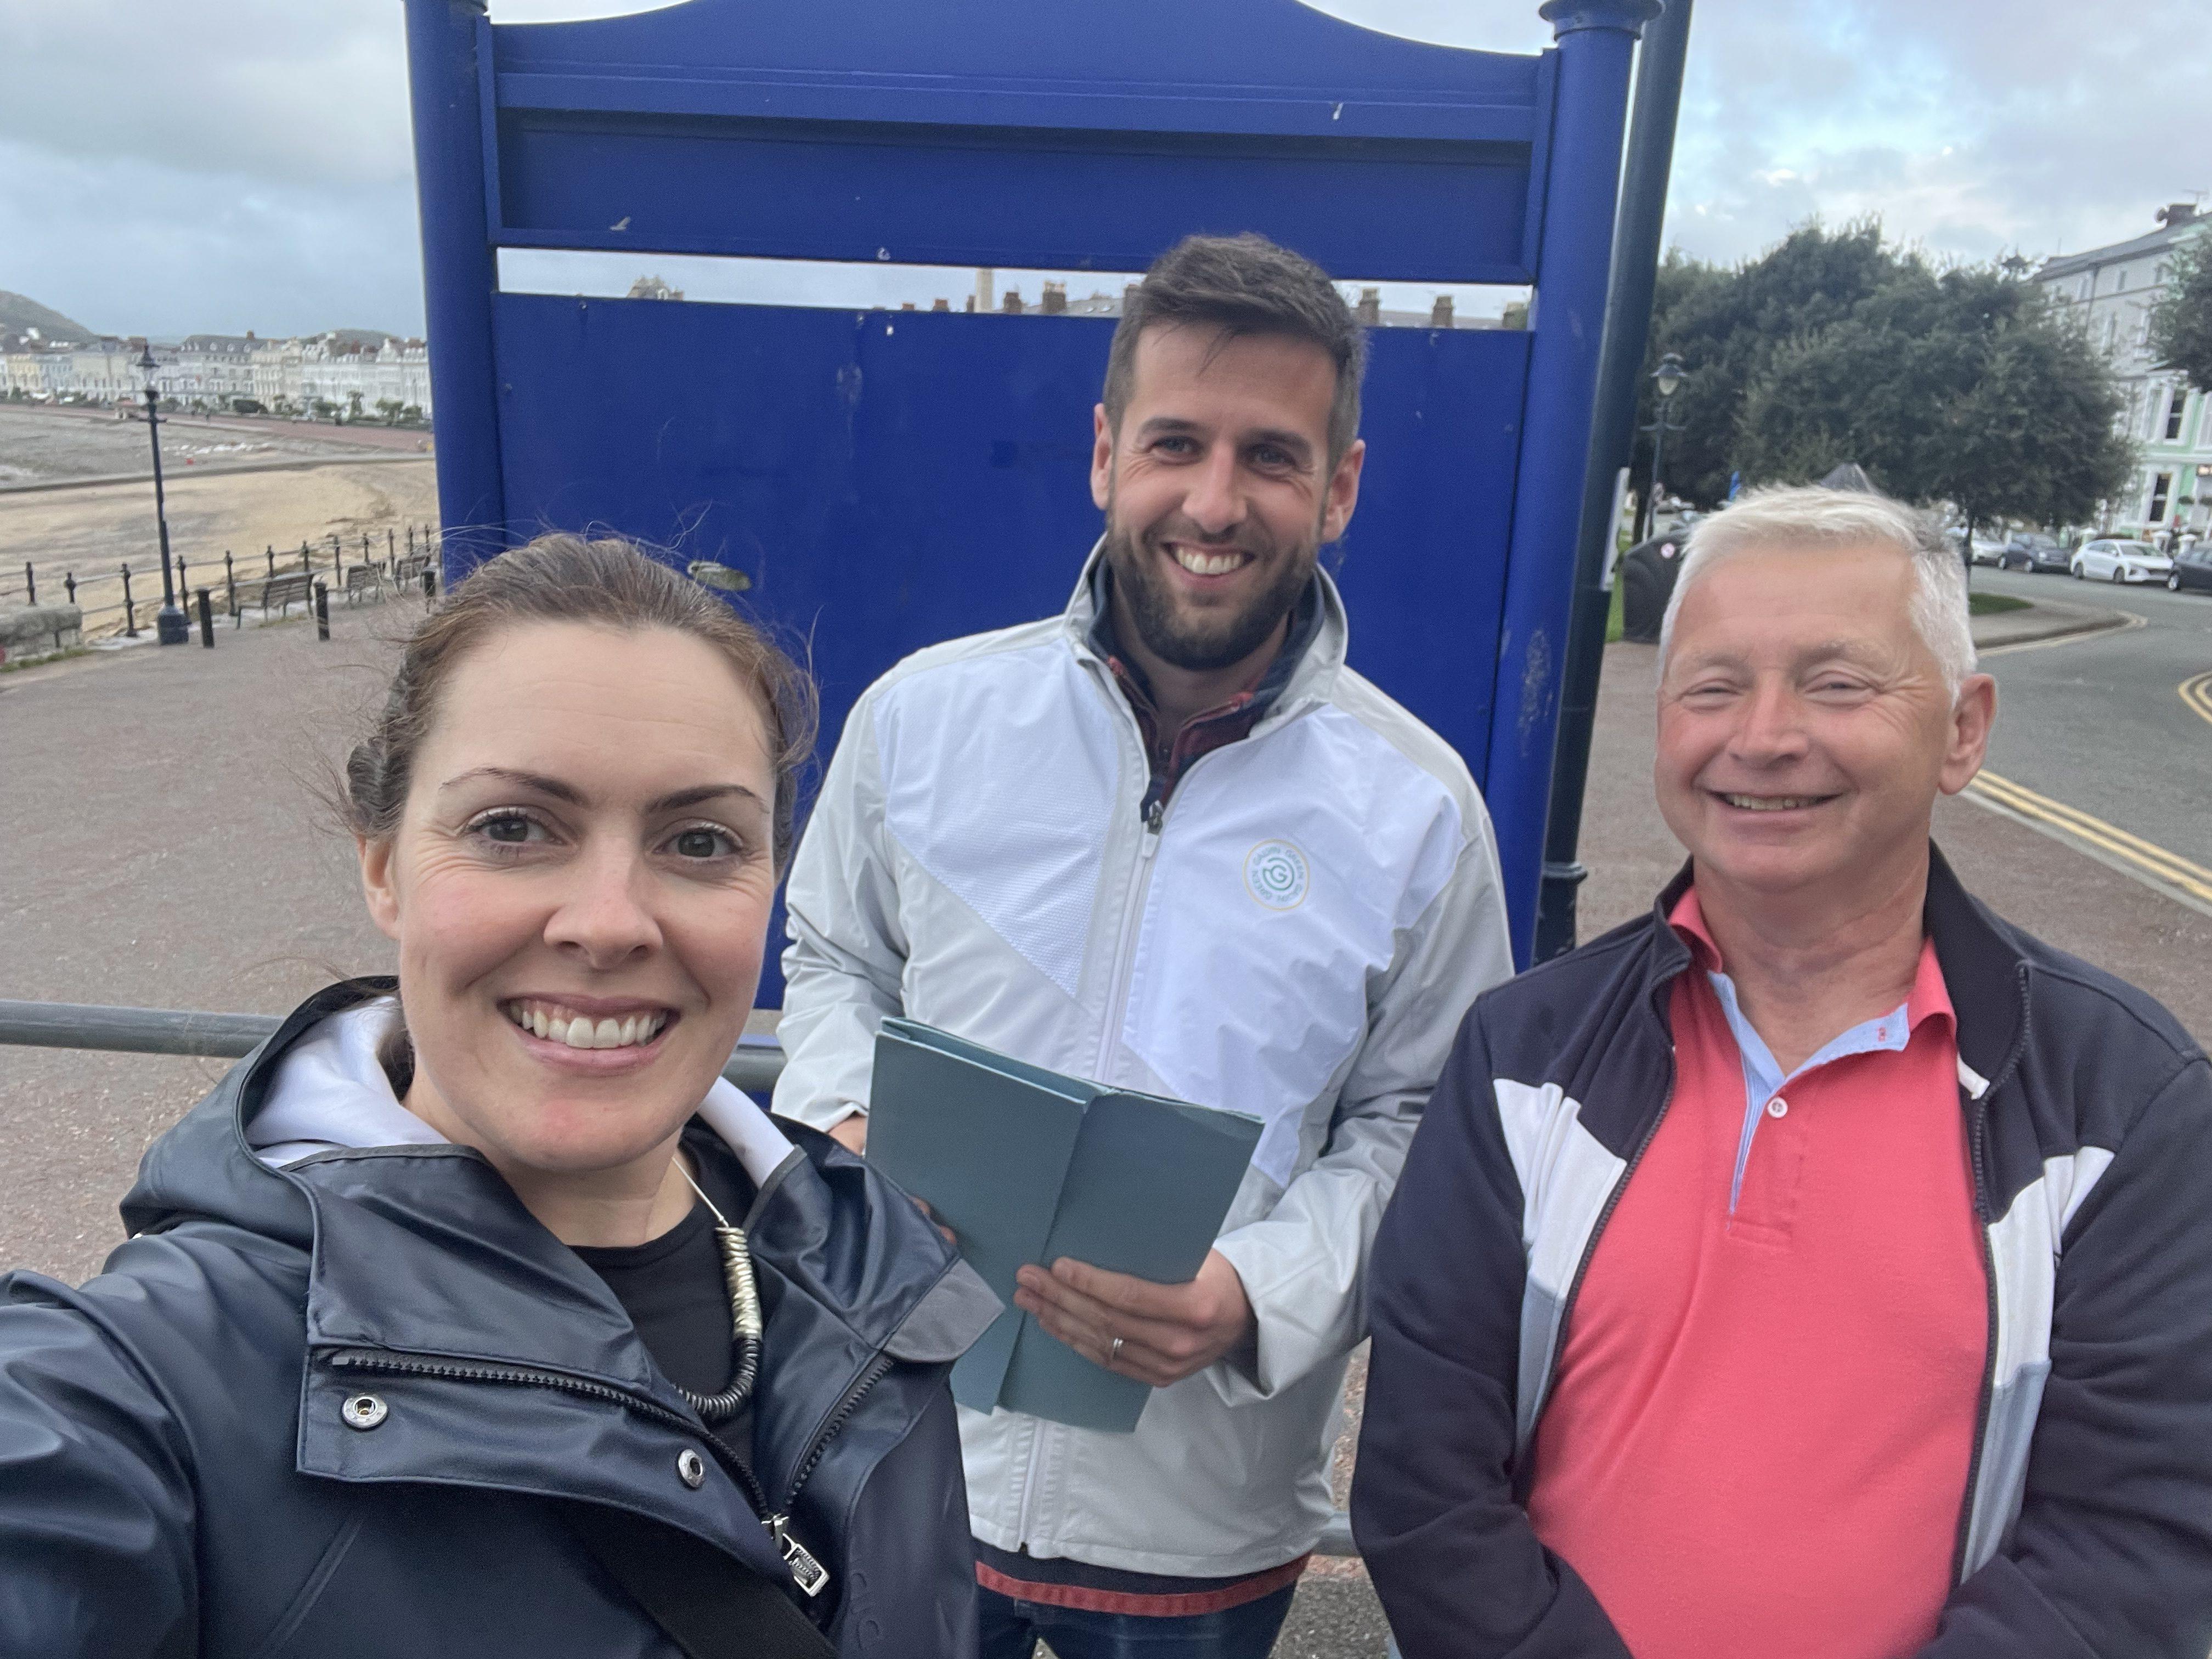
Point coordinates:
pixel 1275 873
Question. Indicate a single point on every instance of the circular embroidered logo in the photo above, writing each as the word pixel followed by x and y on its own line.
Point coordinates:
pixel 1275 874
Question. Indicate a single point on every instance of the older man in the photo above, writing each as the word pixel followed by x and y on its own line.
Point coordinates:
pixel 1819 1265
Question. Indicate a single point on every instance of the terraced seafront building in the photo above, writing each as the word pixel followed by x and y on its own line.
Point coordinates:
pixel 2109 292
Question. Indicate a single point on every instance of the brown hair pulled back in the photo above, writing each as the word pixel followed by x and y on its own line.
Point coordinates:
pixel 562 578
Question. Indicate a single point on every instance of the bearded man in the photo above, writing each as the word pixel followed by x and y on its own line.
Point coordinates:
pixel 1168 840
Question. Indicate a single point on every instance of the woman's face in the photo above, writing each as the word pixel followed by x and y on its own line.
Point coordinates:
pixel 580 889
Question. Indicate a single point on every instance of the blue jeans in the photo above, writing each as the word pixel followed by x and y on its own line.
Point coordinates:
pixel 1012 1628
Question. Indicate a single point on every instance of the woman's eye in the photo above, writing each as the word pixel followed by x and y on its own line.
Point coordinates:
pixel 508 829
pixel 702 843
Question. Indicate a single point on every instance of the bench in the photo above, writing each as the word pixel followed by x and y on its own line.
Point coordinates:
pixel 364 579
pixel 282 591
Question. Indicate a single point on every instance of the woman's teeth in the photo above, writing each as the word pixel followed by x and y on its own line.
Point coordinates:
pixel 1209 564
pixel 557 1024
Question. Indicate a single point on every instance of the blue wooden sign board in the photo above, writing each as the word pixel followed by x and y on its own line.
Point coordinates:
pixel 890 478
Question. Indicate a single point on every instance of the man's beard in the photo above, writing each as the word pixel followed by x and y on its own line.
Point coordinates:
pixel 1201 645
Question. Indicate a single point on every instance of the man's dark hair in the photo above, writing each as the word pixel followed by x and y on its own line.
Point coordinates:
pixel 1243 285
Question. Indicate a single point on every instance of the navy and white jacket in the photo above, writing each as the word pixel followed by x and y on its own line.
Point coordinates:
pixel 2086 1526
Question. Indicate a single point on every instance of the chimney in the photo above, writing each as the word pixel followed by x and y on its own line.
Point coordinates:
pixel 1440 314
pixel 2177 213
pixel 941 305
pixel 1055 298
pixel 1012 305
pixel 1369 309
pixel 906 305
pixel 971 302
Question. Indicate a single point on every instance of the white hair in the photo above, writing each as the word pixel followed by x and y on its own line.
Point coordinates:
pixel 1810 518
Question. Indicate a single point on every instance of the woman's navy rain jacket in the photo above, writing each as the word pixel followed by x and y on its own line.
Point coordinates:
pixel 178 1476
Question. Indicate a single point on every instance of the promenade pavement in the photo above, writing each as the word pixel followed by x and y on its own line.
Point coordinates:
pixel 162 844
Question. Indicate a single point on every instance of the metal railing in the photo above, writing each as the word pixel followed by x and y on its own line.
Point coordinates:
pixel 753 1066
pixel 239 585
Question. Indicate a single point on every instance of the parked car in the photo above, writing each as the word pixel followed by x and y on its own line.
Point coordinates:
pixel 2031 549
pixel 2193 567
pixel 2106 560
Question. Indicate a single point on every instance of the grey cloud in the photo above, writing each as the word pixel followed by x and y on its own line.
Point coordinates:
pixel 226 164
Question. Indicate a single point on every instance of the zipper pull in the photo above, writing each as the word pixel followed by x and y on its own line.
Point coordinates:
pixel 809 1574
pixel 1153 818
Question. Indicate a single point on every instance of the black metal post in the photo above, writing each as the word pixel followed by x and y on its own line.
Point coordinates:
pixel 207 621
pixel 230 584
pixel 391 547
pixel 130 611
pixel 1627 331
pixel 30 584
pixel 69 582
pixel 272 558
pixel 429 584
pixel 170 626
pixel 322 609
pixel 307 563
pixel 410 540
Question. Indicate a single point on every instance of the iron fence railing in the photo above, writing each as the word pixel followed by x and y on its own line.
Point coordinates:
pixel 399 558
pixel 753 1066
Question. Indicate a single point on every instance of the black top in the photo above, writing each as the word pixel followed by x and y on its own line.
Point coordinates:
pixel 674 1291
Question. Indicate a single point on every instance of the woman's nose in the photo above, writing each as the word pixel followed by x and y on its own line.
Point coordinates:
pixel 604 915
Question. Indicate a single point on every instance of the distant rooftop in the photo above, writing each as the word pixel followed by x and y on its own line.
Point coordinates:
pixel 2177 221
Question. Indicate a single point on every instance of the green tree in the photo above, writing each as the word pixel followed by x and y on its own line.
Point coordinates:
pixel 1955 387
pixel 2181 325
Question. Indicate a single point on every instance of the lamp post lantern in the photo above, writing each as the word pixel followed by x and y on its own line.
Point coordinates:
pixel 1666 380
pixel 170 626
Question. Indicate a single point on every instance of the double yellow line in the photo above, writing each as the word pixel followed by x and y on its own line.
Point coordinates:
pixel 2153 860
pixel 2196 692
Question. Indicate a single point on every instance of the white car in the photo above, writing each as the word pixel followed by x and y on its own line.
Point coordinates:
pixel 2120 561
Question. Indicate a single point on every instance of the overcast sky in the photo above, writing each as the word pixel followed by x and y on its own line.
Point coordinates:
pixel 226 165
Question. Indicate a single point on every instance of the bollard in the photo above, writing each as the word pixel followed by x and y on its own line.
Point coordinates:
pixel 230 584
pixel 69 582
pixel 272 558
pixel 391 545
pixel 207 621
pixel 306 563
pixel 337 553
pixel 322 610
pixel 181 585
pixel 129 614
pixel 30 584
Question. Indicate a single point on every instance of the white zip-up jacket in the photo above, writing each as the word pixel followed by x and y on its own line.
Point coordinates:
pixel 1298 938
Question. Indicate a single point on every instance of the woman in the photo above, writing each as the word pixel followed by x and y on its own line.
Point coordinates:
pixel 489 1320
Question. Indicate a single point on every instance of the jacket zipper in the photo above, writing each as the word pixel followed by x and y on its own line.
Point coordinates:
pixel 806 1570
pixel 1978 1151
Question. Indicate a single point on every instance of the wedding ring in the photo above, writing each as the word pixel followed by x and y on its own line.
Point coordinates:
pixel 1113 1353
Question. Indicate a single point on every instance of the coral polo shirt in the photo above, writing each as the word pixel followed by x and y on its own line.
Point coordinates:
pixel 1759 1439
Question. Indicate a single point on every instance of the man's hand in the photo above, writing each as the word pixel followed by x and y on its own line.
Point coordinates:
pixel 1167 1332
pixel 852 1132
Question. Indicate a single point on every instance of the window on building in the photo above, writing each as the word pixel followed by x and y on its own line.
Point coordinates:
pixel 2161 487
pixel 2111 329
pixel 2121 286
pixel 2174 411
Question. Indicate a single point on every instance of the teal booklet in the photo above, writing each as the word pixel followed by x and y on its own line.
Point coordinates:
pixel 1027 1165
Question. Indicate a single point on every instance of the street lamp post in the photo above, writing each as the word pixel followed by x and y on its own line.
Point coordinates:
pixel 170 626
pixel 1668 379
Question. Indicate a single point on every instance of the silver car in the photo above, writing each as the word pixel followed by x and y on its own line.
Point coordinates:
pixel 2107 561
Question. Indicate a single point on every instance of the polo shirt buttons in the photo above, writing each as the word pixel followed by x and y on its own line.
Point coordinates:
pixel 1777 1107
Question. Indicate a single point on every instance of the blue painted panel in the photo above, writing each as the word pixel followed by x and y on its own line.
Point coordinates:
pixel 1220 66
pixel 890 479
pixel 1415 210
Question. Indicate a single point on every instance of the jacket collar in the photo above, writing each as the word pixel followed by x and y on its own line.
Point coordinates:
pixel 1984 965
pixel 1313 679
pixel 424 1248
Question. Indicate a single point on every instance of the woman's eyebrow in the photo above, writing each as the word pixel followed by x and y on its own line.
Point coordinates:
pixel 700 793
pixel 537 782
